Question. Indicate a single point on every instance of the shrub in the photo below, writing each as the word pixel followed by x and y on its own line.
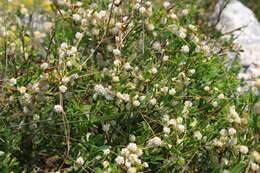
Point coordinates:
pixel 120 86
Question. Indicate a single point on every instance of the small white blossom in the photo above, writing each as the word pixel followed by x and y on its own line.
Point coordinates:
pixel 76 17
pixel 106 127
pixel 117 62
pixel 105 164
pixel 165 58
pixel 221 96
pixel 154 70
pixel 243 149
pixel 120 160
pixel 106 151
pixel 115 79
pixel 80 161
pixel 13 81
pixel 223 132
pixel 44 65
pixel 131 170
pixel 165 89
pixel 132 138
pixel 58 108
pixel 65 79
pixel 155 142
pixel 22 89
pixel 142 10
pixel 206 88
pixel 136 103
pixel 254 166
pixel 127 66
pixel 132 147
pixel 153 101
pixel 166 130
pixel 232 131
pixel 215 104
pixel 198 135
pixel 181 128
pixel 166 4
pixel 157 45
pixel 150 27
pixel 116 52
pixel 79 35
pixel 63 88
pixel 185 49
pixel 172 92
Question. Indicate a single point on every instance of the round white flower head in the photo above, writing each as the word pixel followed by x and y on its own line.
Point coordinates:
pixel 181 128
pixel 255 155
pixel 76 17
pixel 22 89
pixel 128 164
pixel 243 149
pixel 125 152
pixel 206 88
pixel 172 92
pixel 2 153
pixel 47 26
pixel 79 35
pixel 150 27
pixel 223 132
pixel 117 62
pixel 154 70
pixel 106 151
pixel 131 170
pixel 185 49
pixel 221 96
pixel 254 166
pixel 232 131
pixel 116 52
pixel 166 130
pixel 184 12
pixel 63 88
pixel 65 79
pixel 166 4
pixel 127 66
pixel 198 135
pixel 44 65
pixel 215 104
pixel 58 108
pixel 105 164
pixel 155 142
pixel 120 160
pixel 157 45
pixel 132 138
pixel 165 58
pixel 13 81
pixel 136 103
pixel 115 79
pixel 80 161
pixel 145 164
pixel 142 10
pixel 64 46
pixel 132 147
pixel 165 89
pixel 153 101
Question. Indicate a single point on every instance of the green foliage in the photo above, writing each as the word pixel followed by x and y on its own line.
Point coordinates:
pixel 121 87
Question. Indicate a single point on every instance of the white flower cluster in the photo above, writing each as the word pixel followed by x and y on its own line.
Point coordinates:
pixel 66 50
pixel 185 111
pixel 155 142
pixel 173 123
pixel 130 158
pixel 106 92
pixel 233 115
